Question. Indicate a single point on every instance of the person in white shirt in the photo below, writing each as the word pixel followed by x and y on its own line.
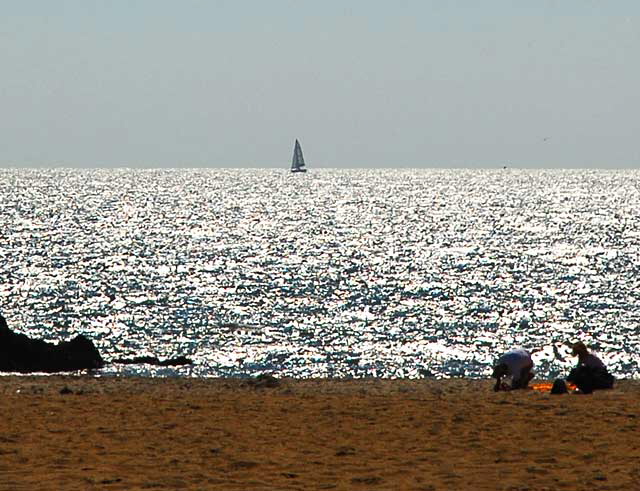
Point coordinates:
pixel 516 364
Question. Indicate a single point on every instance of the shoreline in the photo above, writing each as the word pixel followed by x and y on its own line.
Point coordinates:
pixel 84 432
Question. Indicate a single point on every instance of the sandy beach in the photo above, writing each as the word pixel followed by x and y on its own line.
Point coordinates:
pixel 83 433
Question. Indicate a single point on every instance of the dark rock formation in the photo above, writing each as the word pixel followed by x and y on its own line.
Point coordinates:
pixel 153 360
pixel 19 353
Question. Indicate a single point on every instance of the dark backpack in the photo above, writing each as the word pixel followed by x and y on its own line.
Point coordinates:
pixel 559 387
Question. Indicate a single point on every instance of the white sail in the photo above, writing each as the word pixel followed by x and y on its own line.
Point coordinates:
pixel 297 162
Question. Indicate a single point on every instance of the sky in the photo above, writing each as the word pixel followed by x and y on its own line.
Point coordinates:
pixel 361 83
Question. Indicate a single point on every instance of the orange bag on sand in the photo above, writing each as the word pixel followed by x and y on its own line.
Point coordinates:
pixel 546 386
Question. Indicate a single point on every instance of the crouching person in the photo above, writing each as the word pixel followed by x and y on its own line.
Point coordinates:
pixel 590 374
pixel 516 364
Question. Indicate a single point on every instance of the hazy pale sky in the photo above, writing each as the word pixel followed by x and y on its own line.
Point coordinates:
pixel 366 83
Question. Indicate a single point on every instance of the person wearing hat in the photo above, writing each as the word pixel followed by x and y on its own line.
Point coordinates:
pixel 590 373
pixel 516 364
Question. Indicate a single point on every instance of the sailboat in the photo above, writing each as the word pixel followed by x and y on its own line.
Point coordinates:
pixel 297 162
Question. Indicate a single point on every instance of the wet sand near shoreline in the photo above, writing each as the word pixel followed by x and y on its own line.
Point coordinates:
pixel 84 433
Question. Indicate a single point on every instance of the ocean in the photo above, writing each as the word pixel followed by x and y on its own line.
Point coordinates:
pixel 332 273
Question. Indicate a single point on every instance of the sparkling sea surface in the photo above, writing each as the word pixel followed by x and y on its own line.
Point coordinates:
pixel 332 273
